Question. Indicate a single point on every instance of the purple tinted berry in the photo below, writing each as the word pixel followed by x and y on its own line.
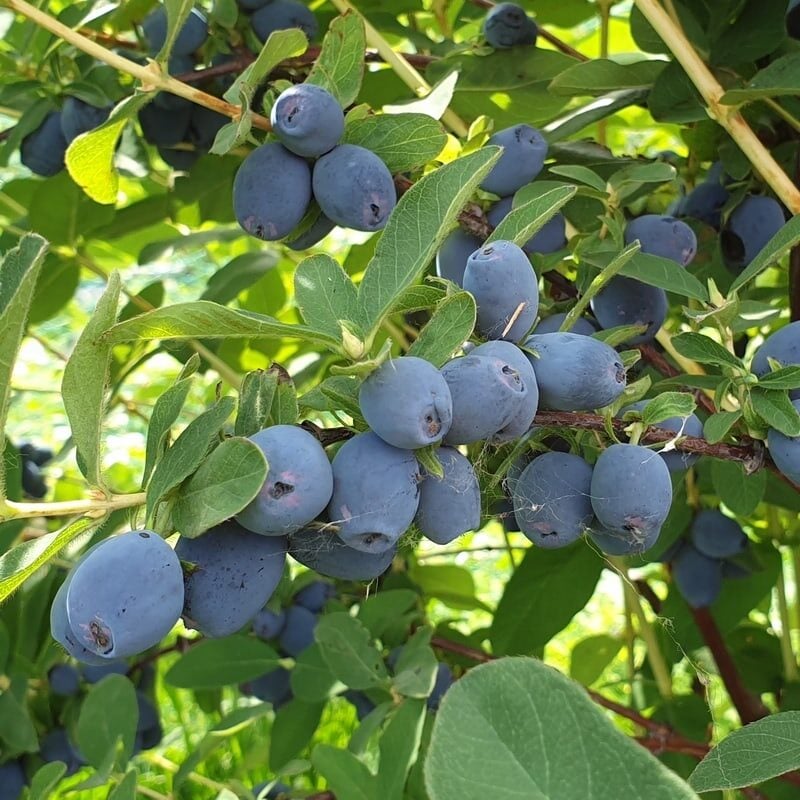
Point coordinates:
pixel 314 595
pixel 126 596
pixel 375 493
pixel 298 486
pixel 191 36
pixel 354 188
pixel 78 117
pixel 268 624
pixel 12 780
pixel 506 290
pixel 507 24
pixel 234 572
pixel 487 394
pixel 698 577
pixel 407 402
pixel 271 192
pixel 64 680
pixel 521 421
pixel 785 451
pixel 307 120
pixel 631 492
pixel 42 151
pixel 717 536
pixel 450 505
pixel 298 631
pixel 664 236
pixel 626 301
pixel 279 15
pixel 748 229
pixel 782 346
pixel 552 501
pixel 325 553
pixel 451 259
pixel 524 152
pixel 574 372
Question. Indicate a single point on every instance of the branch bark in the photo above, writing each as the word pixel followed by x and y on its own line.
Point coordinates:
pixel 749 707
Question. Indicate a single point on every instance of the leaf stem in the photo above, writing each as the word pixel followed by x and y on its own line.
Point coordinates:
pixel 661 671
pixel 408 74
pixel 151 76
pixel 599 283
pixel 98 506
pixel 728 117
pixel 789 658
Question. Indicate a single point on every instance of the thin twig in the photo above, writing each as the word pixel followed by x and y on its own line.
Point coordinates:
pixel 749 707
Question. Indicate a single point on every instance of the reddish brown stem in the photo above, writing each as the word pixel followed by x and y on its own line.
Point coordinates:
pixel 659 362
pixel 749 707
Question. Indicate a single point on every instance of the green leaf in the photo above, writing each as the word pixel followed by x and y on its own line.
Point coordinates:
pixel 90 160
pixel 776 409
pixel 519 727
pixel 415 671
pixel 188 452
pixel 449 327
pixel 46 779
pixel 761 750
pixel 125 789
pixel 666 274
pixel 399 746
pixel 511 86
pixel 165 412
pixel 238 274
pixel 255 401
pixel 451 584
pixel 325 295
pixel 16 726
pixel 379 612
pixel 773 251
pixel 284 403
pixel 561 581
pixel 601 75
pixel 418 298
pixel 402 141
pixel 580 118
pixel 85 382
pixel 339 67
pixel 220 662
pixel 311 678
pixel 630 179
pixel 337 393
pixel 347 648
pixel 582 174
pixel 781 77
pixel 591 656
pixel 416 229
pixel 784 378
pixel 705 350
pixel 177 13
pixel 108 717
pixel 280 45
pixel 202 319
pixel 19 271
pixel 525 220
pixel 739 491
pixel 219 735
pixel 294 725
pixel 345 774
pixel 716 427
pixel 230 477
pixel 666 405
pixel 19 563
pixel 61 212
